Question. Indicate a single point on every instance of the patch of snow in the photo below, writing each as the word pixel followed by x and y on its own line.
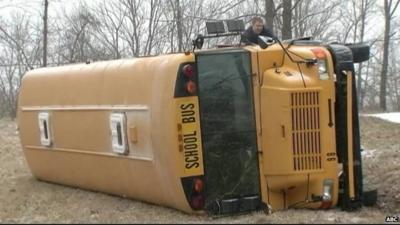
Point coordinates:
pixel 391 117
pixel 368 153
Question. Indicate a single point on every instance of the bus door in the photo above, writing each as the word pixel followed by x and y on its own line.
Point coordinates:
pixel 228 130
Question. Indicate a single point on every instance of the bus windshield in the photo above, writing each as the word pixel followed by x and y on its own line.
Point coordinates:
pixel 228 126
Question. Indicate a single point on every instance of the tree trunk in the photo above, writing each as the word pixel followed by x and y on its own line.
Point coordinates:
pixel 287 20
pixel 383 85
pixel 364 9
pixel 270 14
pixel 117 43
pixel 46 6
pixel 179 25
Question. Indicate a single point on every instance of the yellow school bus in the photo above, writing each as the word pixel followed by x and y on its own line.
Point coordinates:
pixel 220 131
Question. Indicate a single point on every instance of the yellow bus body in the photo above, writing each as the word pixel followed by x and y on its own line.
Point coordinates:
pixel 296 147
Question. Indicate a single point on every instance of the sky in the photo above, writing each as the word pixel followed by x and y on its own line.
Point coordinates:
pixel 35 7
pixel 60 7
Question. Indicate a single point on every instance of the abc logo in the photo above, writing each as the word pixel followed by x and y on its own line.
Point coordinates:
pixel 392 219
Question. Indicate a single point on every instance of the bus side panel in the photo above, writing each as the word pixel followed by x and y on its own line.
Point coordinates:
pixel 79 100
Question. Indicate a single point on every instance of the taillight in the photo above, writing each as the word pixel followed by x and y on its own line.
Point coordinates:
pixel 198 185
pixel 191 87
pixel 197 202
pixel 188 70
pixel 186 84
pixel 194 188
pixel 197 199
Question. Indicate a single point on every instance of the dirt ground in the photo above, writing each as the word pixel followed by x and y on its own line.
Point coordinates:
pixel 26 200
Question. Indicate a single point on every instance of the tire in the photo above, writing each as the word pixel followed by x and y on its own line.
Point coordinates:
pixel 360 52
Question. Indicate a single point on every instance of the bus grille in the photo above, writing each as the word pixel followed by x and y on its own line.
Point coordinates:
pixel 306 136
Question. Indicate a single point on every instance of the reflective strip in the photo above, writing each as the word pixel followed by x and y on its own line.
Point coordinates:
pixel 86 152
pixel 87 108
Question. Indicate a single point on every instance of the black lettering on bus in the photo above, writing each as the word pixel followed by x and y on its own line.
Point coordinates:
pixel 188 113
pixel 191 153
pixel 188 120
pixel 191 165
pixel 190 135
pixel 189 140
pixel 188 106
pixel 191 159
pixel 191 146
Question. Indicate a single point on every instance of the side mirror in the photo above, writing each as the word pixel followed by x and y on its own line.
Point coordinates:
pixel 265 41
pixel 360 52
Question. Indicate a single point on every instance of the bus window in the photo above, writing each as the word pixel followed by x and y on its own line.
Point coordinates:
pixel 228 130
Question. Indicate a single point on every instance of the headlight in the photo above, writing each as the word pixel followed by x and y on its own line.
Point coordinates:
pixel 327 194
pixel 322 66
pixel 328 190
pixel 323 70
pixel 321 57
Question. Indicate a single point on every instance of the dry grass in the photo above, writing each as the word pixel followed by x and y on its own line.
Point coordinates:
pixel 382 167
pixel 26 200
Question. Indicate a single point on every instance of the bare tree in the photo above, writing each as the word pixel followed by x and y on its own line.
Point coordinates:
pixel 287 20
pixel 20 47
pixel 353 19
pixel 76 37
pixel 153 25
pixel 390 7
pixel 315 19
pixel 131 31
pixel 176 9
pixel 108 20
pixel 393 77
pixel 196 13
pixel 270 14
pixel 11 40
pixel 178 18
pixel 45 17
pixel 365 10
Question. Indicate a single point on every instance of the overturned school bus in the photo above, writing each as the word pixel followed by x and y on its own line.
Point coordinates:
pixel 221 131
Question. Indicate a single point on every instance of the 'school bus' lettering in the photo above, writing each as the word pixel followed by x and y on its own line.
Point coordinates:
pixel 188 118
